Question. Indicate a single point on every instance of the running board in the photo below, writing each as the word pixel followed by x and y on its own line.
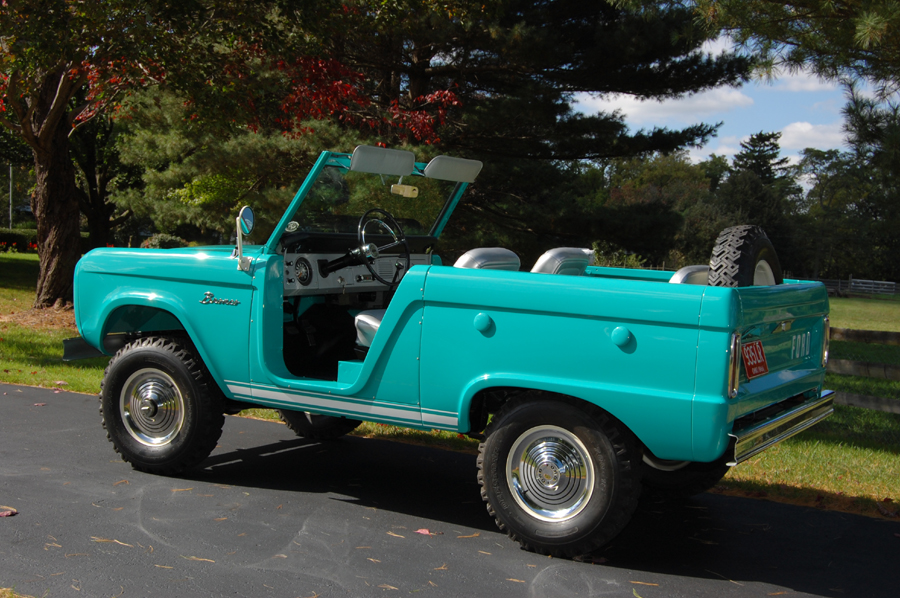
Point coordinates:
pixel 758 436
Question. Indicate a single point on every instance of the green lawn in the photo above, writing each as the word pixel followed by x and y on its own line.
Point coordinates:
pixel 865 314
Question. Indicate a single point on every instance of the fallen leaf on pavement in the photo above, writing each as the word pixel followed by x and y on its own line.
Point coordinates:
pixel 7 511
pixel 395 535
pixel 96 539
pixel 181 489
pixel 121 482
pixel 197 558
pixel 475 535
pixel 387 587
pixel 515 580
pixel 40 404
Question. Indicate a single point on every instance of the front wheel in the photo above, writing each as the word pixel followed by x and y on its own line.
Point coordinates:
pixel 558 479
pixel 160 410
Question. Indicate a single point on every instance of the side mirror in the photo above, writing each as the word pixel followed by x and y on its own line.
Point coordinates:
pixel 247 220
pixel 244 225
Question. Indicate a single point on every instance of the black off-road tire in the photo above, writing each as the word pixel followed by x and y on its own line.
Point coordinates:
pixel 159 406
pixel 743 256
pixel 583 481
pixel 691 480
pixel 316 426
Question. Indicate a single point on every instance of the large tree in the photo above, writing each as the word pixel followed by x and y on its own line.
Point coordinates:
pixel 210 50
pixel 516 68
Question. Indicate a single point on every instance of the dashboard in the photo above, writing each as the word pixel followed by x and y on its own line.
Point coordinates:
pixel 305 251
pixel 301 274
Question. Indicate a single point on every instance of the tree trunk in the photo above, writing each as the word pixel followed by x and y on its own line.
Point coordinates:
pixel 55 208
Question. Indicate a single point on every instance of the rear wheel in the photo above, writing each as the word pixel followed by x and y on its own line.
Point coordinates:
pixel 743 256
pixel 316 426
pixel 159 408
pixel 558 479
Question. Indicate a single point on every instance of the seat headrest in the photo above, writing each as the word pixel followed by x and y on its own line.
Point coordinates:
pixel 565 260
pixel 489 258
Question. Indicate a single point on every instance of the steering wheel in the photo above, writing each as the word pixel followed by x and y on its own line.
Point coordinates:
pixel 390 224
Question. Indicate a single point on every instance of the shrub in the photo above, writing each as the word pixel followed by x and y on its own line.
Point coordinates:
pixel 609 255
pixel 24 240
pixel 163 241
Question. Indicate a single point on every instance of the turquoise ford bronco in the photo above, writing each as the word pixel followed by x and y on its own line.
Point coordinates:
pixel 584 384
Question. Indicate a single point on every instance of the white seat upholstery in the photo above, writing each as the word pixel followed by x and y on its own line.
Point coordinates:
pixel 565 260
pixel 691 275
pixel 489 258
pixel 367 323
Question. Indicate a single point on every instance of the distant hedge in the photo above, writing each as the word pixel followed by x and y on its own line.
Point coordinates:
pixel 24 240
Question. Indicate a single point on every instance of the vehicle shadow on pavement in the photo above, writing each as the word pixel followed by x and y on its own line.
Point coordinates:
pixel 738 541
pixel 743 541
pixel 391 476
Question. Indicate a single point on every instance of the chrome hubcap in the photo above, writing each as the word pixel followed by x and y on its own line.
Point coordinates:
pixel 152 407
pixel 550 473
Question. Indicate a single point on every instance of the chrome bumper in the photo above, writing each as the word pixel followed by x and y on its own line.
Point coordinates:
pixel 758 436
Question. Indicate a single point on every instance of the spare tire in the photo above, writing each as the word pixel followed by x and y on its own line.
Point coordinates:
pixel 743 256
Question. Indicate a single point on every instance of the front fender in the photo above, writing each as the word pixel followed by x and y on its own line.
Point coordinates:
pixel 143 291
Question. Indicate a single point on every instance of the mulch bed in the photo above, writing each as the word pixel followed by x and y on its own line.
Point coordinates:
pixel 41 319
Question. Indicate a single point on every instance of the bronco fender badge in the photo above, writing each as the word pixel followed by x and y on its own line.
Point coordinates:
pixel 208 299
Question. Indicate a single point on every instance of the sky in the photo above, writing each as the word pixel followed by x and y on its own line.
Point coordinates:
pixel 806 111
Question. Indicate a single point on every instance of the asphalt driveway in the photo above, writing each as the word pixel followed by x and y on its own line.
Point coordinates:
pixel 273 515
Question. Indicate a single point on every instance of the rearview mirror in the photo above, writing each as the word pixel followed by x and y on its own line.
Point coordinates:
pixel 405 190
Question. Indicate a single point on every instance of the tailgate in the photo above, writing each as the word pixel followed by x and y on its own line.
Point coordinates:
pixel 783 331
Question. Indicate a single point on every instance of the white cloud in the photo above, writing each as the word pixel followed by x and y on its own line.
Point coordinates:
pixel 800 135
pixel 803 81
pixel 689 110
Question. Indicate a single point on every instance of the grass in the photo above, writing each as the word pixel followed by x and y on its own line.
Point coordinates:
pixel 36 359
pixel 10 593
pixel 873 387
pixel 850 462
pixel 865 314
pixel 18 280
pixel 886 354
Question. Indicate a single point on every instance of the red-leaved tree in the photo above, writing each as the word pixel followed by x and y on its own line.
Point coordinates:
pixel 221 54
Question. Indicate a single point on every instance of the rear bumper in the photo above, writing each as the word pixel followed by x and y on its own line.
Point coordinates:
pixel 756 436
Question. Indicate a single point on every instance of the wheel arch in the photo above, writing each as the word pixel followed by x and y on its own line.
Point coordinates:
pixel 487 394
pixel 132 315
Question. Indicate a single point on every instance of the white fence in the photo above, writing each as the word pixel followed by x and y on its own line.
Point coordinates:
pixel 854 285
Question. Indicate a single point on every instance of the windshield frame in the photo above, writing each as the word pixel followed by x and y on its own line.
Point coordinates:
pixel 342 160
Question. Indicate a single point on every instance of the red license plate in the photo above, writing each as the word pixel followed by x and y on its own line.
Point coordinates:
pixel 754 359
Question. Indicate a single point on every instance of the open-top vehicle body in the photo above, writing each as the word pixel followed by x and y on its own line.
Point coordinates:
pixel 583 383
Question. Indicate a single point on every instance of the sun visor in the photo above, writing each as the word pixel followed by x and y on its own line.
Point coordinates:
pixel 379 160
pixel 447 168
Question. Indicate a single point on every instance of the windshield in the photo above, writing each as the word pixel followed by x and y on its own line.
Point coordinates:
pixel 339 197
